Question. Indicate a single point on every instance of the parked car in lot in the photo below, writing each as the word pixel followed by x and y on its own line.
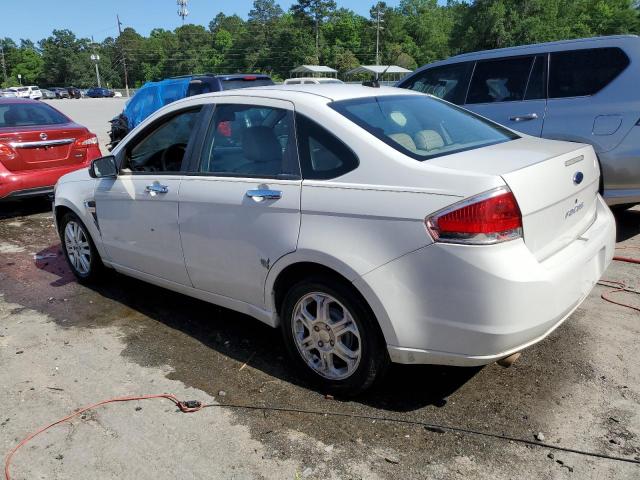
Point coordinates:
pixel 60 92
pixel 21 92
pixel 8 94
pixel 578 90
pixel 74 92
pixel 154 95
pixel 370 224
pixel 47 94
pixel 38 145
pixel 99 92
pixel 34 92
pixel 310 81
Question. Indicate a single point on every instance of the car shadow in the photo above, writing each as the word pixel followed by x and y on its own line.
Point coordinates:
pixel 240 337
pixel 24 207
pixel 627 223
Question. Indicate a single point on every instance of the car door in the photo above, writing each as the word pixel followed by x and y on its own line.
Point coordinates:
pixel 511 91
pixel 240 206
pixel 137 212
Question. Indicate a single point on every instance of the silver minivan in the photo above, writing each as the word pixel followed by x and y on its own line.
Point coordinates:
pixel 584 90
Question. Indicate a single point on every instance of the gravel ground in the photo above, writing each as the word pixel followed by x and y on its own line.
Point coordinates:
pixel 63 345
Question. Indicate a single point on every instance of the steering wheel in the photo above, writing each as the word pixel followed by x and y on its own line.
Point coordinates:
pixel 171 158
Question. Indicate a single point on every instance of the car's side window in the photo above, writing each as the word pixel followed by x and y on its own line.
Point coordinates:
pixel 161 147
pixel 537 86
pixel 448 82
pixel 580 73
pixel 502 80
pixel 322 155
pixel 250 141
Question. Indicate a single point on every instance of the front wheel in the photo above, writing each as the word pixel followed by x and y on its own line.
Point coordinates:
pixel 79 249
pixel 332 336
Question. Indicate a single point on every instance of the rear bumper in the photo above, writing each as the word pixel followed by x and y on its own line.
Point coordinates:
pixel 471 305
pixel 32 183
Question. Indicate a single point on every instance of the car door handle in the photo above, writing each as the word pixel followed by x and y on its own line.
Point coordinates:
pixel 156 188
pixel 524 118
pixel 264 194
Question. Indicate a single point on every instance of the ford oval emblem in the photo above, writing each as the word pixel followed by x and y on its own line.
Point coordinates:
pixel 578 177
pixel 43 136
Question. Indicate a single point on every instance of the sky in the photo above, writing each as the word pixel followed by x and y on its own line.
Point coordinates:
pixel 95 18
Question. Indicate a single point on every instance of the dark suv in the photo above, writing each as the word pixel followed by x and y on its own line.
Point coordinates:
pixel 99 92
pixel 155 95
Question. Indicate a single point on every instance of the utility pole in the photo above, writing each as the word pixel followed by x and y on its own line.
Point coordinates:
pixel 4 65
pixel 182 9
pixel 124 57
pixel 96 58
pixel 378 28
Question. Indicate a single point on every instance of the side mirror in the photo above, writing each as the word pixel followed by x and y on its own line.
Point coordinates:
pixel 104 167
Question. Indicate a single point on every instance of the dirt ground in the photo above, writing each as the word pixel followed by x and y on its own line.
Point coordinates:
pixel 63 345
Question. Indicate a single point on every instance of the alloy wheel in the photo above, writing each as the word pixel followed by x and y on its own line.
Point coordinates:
pixel 77 246
pixel 326 336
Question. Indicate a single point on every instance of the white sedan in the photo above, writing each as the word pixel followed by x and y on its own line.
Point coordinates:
pixel 372 225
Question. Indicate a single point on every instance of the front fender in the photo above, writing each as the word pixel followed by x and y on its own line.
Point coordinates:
pixel 73 195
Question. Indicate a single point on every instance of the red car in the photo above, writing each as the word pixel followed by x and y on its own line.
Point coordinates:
pixel 39 144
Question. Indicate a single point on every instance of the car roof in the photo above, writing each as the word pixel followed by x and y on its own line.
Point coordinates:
pixel 317 92
pixel 611 40
pixel 4 101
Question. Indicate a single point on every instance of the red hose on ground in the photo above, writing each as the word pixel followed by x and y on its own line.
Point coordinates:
pixel 620 286
pixel 186 407
pixel 626 259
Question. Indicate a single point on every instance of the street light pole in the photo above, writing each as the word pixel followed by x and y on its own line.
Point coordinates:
pixel 96 59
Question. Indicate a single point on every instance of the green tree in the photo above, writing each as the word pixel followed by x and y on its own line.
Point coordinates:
pixel 316 11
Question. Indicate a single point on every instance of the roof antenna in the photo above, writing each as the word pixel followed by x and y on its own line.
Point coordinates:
pixel 375 83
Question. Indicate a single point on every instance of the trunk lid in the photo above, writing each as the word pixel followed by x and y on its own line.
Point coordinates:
pixel 42 147
pixel 555 184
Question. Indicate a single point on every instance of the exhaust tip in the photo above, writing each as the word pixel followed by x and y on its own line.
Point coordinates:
pixel 506 362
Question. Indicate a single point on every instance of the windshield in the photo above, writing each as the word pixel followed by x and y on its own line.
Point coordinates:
pixel 26 114
pixel 420 126
pixel 242 83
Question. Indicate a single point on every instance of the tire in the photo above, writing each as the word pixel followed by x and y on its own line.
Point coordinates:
pixel 79 250
pixel 338 358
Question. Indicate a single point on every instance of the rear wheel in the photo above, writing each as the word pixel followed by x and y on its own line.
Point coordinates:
pixel 332 336
pixel 79 249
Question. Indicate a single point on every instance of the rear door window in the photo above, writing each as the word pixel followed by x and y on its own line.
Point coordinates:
pixel 502 80
pixel 448 82
pixel 580 73
pixel 250 141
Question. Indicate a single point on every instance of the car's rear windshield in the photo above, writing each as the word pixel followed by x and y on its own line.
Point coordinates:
pixel 245 83
pixel 27 114
pixel 421 126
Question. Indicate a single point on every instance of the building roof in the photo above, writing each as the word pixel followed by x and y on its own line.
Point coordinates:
pixel 314 69
pixel 378 69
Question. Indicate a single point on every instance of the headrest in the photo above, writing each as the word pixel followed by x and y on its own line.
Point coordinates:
pixel 405 140
pixel 260 144
pixel 428 140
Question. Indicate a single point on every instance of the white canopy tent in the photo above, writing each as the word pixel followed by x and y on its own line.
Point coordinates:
pixel 313 71
pixel 379 71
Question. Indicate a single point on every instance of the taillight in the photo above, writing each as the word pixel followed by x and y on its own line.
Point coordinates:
pixel 85 141
pixel 488 218
pixel 6 153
